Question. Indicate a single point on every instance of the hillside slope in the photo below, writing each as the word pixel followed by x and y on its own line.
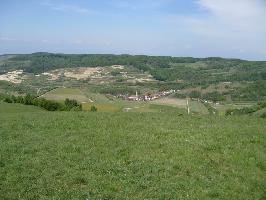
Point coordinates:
pixel 18 108
pixel 79 155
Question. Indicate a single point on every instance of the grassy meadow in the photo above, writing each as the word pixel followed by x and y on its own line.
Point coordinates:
pixel 17 108
pixel 160 155
pixel 60 94
pixel 198 107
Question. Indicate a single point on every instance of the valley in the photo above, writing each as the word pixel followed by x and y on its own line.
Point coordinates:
pixel 115 130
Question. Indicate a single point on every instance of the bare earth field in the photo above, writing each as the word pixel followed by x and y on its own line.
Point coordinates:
pixel 13 77
pixel 82 73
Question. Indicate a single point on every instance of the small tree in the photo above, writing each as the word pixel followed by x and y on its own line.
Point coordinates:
pixel 71 104
pixel 8 100
pixel 28 99
pixel 263 115
pixel 93 109
pixel 195 94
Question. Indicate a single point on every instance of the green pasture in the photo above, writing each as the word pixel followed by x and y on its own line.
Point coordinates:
pixel 161 155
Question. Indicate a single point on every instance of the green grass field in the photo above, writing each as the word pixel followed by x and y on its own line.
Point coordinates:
pixel 101 107
pixel 84 155
pixel 198 107
pixel 222 108
pixel 60 94
pixel 105 104
pixel 18 108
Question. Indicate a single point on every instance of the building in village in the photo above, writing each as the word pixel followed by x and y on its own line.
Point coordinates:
pixel 149 97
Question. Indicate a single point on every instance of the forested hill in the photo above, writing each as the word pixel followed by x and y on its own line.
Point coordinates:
pixel 194 70
pixel 36 62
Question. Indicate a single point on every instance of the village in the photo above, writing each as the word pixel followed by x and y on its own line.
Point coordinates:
pixel 146 97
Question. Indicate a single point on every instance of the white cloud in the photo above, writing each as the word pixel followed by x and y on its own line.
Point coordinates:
pixel 7 39
pixel 226 27
pixel 243 15
pixel 63 7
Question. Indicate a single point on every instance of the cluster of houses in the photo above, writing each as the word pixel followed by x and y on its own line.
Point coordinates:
pixel 147 97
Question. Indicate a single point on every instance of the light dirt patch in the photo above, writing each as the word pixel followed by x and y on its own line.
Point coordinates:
pixel 82 73
pixel 142 80
pixel 118 67
pixel 52 76
pixel 13 77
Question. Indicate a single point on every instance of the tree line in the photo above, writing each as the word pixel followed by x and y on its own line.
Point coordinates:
pixel 214 96
pixel 248 110
pixel 67 105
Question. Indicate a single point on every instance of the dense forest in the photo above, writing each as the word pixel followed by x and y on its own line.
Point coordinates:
pixel 39 62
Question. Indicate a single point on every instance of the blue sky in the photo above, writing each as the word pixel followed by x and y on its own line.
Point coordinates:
pixel 198 28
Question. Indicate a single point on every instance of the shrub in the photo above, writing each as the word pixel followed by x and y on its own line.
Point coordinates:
pixel 214 96
pixel 93 109
pixel 195 94
pixel 262 104
pixel 115 73
pixel 8 100
pixel 70 104
pixel 77 108
pixel 263 115
pixel 28 100
pixel 181 96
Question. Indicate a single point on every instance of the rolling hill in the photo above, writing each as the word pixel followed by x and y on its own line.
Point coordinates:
pixel 80 155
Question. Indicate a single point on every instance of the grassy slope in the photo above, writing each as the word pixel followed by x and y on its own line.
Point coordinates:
pixel 18 108
pixel 260 112
pixel 65 155
pixel 198 107
pixel 60 94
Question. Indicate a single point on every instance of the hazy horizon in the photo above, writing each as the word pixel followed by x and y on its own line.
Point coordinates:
pixel 118 54
pixel 186 28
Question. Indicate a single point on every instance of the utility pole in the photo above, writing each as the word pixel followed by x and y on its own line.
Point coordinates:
pixel 188 110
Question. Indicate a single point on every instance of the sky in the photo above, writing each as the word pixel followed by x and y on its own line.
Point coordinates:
pixel 197 28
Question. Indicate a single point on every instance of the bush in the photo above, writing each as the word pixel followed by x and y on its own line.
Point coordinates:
pixel 214 96
pixel 262 104
pixel 263 115
pixel 181 96
pixel 8 100
pixel 28 99
pixel 70 104
pixel 93 109
pixel 115 73
pixel 229 112
pixel 195 94
pixel 77 108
